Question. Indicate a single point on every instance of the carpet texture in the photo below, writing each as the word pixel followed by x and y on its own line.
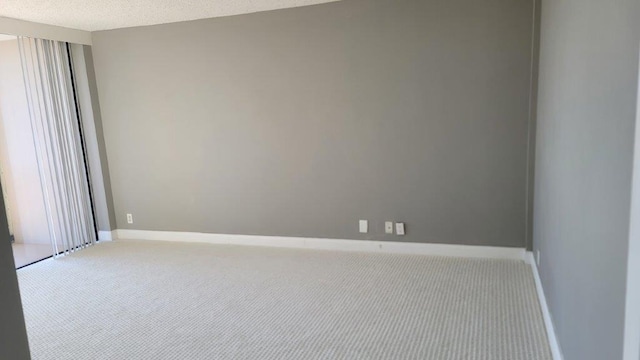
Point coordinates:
pixel 148 300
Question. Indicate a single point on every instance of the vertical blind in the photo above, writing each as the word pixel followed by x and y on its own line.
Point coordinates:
pixel 57 138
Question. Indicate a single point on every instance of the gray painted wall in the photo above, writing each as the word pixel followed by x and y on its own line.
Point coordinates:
pixel 13 333
pixel 585 137
pixel 93 136
pixel 300 122
pixel 531 131
pixel 98 133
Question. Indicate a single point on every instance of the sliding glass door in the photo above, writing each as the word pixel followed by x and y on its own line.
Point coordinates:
pixel 58 140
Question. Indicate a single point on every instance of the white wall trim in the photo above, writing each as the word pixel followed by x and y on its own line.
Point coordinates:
pixel 556 352
pixel 106 235
pixel 327 244
pixel 17 27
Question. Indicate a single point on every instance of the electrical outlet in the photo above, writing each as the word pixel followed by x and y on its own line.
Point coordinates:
pixel 129 219
pixel 538 257
pixel 399 228
pixel 364 226
pixel 388 227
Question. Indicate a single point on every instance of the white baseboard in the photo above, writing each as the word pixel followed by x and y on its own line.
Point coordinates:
pixel 106 235
pixel 328 244
pixel 556 352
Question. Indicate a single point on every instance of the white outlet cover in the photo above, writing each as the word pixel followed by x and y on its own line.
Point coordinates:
pixel 129 218
pixel 388 227
pixel 364 226
pixel 399 228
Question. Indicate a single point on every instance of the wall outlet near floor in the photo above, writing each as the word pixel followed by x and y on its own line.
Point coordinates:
pixel 399 228
pixel 538 257
pixel 129 219
pixel 388 227
pixel 364 226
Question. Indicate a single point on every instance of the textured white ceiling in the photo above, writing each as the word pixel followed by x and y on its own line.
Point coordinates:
pixel 92 15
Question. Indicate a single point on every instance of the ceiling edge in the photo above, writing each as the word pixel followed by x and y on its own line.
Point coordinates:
pixel 10 26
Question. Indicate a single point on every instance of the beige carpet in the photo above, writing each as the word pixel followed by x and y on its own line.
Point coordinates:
pixel 133 300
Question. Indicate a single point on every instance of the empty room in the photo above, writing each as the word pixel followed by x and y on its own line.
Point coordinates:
pixel 317 179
